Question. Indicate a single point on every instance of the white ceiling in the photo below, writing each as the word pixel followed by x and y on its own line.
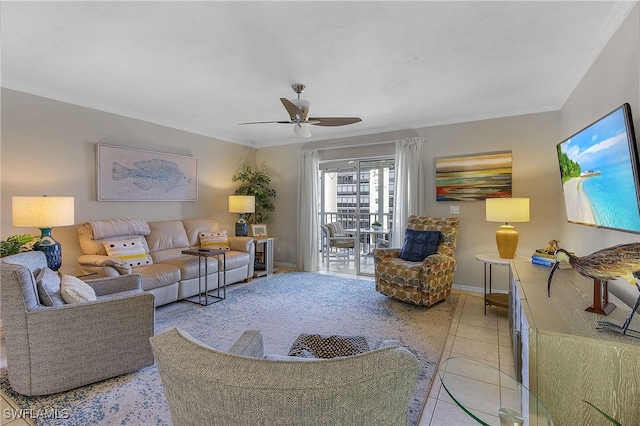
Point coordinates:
pixel 204 67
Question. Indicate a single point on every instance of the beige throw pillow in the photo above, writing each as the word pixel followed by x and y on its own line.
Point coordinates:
pixel 74 290
pixel 131 251
pixel 214 240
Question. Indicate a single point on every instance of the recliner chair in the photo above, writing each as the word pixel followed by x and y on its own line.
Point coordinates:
pixel 422 283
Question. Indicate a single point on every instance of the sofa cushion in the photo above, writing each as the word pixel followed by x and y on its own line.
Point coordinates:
pixel 101 229
pixel 74 290
pixel 214 240
pixel 189 266
pixel 166 235
pixel 419 244
pixel 131 251
pixel 158 275
pixel 194 227
pixel 48 283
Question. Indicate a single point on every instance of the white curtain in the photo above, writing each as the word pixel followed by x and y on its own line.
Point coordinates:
pixel 308 225
pixel 410 185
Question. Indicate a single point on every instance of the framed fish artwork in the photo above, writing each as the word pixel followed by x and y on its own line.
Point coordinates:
pixel 128 174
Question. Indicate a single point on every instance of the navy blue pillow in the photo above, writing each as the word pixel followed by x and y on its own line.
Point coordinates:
pixel 419 244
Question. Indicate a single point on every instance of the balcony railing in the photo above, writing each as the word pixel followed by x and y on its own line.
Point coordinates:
pixel 353 221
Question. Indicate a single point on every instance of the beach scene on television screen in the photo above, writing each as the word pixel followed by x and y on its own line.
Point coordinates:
pixel 597 176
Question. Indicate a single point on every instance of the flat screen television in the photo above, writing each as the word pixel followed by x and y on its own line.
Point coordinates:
pixel 599 171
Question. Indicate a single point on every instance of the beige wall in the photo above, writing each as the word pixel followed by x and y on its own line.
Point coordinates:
pixel 523 135
pixel 48 148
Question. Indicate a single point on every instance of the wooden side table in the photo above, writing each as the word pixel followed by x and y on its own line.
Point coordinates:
pixel 500 300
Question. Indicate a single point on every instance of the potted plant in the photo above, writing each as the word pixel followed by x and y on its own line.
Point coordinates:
pixel 376 225
pixel 256 183
pixel 15 244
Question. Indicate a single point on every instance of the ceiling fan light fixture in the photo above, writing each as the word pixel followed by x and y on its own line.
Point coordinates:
pixel 302 130
pixel 303 104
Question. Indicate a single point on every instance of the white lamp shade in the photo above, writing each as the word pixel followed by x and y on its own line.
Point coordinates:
pixel 507 210
pixel 242 204
pixel 42 212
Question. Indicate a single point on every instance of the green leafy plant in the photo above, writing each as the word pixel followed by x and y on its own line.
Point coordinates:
pixel 376 223
pixel 15 244
pixel 256 183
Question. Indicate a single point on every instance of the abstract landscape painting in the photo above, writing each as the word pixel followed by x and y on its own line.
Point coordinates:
pixel 126 174
pixel 473 177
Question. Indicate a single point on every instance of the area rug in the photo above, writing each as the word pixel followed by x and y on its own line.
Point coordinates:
pixel 282 307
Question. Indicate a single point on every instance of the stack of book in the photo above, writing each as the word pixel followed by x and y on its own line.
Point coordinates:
pixel 541 257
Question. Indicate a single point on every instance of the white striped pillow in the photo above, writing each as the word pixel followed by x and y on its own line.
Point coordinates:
pixel 131 251
pixel 214 240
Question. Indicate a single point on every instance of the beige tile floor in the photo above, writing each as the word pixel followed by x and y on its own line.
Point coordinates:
pixel 484 338
pixel 472 335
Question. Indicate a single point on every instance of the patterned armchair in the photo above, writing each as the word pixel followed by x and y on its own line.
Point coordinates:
pixel 422 283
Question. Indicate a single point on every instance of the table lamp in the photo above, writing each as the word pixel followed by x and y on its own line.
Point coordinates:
pixel 44 213
pixel 242 204
pixel 507 210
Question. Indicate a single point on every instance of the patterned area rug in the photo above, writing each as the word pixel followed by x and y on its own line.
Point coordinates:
pixel 282 307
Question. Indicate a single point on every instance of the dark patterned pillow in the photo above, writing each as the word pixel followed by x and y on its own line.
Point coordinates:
pixel 419 244
pixel 317 346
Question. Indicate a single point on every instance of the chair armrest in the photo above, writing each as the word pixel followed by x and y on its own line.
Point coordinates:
pixel 241 244
pixel 249 344
pixel 438 258
pixel 113 285
pixel 385 253
pixel 111 324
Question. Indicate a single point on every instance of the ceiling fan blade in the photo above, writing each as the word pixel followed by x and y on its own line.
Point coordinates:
pixel 334 121
pixel 295 113
pixel 267 122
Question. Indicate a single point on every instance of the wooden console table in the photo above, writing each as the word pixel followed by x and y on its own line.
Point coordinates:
pixel 561 355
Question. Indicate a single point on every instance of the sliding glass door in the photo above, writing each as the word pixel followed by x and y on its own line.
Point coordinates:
pixel 357 194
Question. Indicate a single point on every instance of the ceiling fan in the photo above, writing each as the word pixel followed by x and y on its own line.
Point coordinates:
pixel 298 110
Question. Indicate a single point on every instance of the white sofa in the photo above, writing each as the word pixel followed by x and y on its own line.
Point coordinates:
pixel 167 273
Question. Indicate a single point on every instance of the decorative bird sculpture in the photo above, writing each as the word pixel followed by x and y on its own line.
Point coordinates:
pixel 621 261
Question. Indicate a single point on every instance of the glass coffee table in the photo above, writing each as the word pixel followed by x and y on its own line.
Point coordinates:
pixel 490 396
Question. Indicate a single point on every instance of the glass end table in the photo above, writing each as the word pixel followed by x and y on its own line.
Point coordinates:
pixel 490 396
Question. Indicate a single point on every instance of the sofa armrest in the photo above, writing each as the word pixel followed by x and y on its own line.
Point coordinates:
pixel 241 244
pixel 112 265
pixel 113 285
pixel 249 344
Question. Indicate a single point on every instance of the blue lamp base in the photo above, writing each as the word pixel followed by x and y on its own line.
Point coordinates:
pixel 242 227
pixel 51 248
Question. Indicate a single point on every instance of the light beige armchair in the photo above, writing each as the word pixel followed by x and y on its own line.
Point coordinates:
pixel 420 282
pixel 205 386
pixel 56 348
